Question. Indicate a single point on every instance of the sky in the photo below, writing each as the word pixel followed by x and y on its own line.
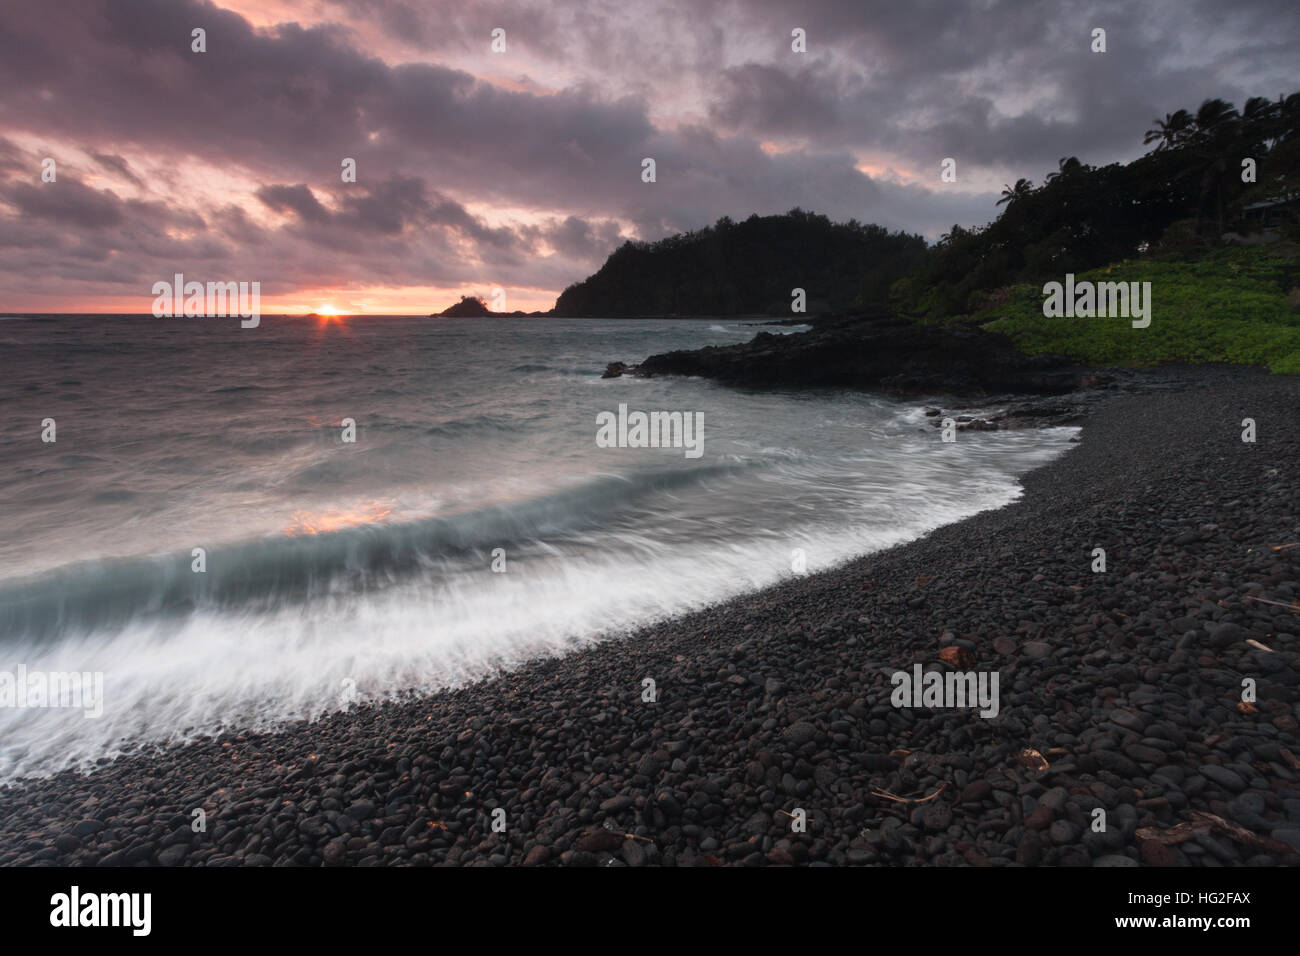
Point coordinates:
pixel 520 169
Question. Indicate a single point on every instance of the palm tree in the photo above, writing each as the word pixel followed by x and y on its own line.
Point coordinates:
pixel 955 235
pixel 1020 190
pixel 1259 111
pixel 1067 167
pixel 1288 116
pixel 1284 149
pixel 1214 118
pixel 1170 131
pixel 1216 146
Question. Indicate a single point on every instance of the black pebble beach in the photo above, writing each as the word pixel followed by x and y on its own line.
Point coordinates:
pixel 1128 685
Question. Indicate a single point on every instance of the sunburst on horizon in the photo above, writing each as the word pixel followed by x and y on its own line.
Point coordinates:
pixel 329 314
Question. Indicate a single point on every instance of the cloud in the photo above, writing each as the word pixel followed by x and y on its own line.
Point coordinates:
pixel 66 202
pixel 230 159
pixel 116 165
pixel 298 200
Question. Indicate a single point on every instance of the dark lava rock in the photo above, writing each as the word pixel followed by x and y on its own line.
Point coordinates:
pixel 1157 854
pixel 877 352
pixel 537 855
pixel 598 839
pixel 173 855
pixel 800 733
pixel 1224 777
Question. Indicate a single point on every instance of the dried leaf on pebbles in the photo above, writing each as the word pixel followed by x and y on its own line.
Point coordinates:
pixel 959 657
pixel 1202 822
pixel 1175 834
pixel 1246 707
pixel 1031 759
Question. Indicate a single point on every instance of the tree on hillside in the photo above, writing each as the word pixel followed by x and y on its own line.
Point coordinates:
pixel 1020 190
pixel 1069 166
pixel 1170 131
pixel 1213 120
pixel 1215 144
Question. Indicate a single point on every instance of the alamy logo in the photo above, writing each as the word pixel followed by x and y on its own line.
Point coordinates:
pixel 953 689
pixel 74 909
pixel 194 299
pixel 1086 300
pixel 24 689
pixel 651 430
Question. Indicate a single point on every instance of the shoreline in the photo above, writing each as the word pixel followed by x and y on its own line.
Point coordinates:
pixel 780 699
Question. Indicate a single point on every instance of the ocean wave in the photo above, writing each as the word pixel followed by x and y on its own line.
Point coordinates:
pixel 486 421
pixel 292 568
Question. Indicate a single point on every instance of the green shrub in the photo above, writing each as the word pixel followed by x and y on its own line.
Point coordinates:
pixel 1230 305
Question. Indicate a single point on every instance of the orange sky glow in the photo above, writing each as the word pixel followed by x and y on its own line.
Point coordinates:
pixel 406 300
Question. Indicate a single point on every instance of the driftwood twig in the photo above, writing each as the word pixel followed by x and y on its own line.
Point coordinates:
pixel 886 795
pixel 1202 822
pixel 1292 607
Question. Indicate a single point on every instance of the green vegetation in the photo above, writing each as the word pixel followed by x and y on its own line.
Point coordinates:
pixel 1236 305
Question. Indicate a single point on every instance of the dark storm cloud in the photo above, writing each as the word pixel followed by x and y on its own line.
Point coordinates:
pixel 396 207
pixel 296 199
pixel 922 80
pixel 116 165
pixel 919 79
pixel 69 204
pixel 770 100
pixel 582 240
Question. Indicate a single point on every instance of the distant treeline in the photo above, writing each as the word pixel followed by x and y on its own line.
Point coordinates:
pixel 747 268
pixel 1190 188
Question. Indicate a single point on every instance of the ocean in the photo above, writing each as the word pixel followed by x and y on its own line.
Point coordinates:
pixel 203 535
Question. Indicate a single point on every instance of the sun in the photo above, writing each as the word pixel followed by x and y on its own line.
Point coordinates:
pixel 329 314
